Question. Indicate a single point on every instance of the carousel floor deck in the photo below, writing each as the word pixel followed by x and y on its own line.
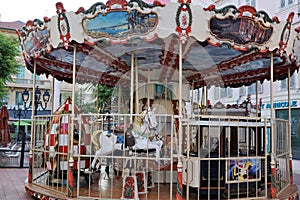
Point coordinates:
pixel 111 188
pixel 105 193
pixel 104 188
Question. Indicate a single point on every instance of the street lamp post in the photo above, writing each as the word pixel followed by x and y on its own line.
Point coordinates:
pixel 19 112
pixel 37 102
pixel 37 99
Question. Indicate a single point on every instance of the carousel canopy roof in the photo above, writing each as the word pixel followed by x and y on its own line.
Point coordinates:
pixel 227 46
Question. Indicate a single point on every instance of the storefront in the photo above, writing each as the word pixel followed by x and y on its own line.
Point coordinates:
pixel 281 111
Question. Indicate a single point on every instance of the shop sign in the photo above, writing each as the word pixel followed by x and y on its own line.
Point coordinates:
pixel 283 104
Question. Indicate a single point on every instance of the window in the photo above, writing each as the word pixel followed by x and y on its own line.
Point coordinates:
pixel 216 93
pixel 242 91
pixel 295 127
pixel 229 92
pixel 19 98
pixel 284 83
pixel 251 3
pixel 282 4
pixel 4 100
pixel 21 74
pixel 285 3
pixel 226 92
pixel 37 79
pixel 252 88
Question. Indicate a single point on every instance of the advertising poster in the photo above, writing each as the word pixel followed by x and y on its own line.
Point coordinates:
pixel 243 170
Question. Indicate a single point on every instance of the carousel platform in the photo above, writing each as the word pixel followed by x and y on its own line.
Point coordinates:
pixel 290 193
pixel 101 188
pixel 154 193
pixel 14 189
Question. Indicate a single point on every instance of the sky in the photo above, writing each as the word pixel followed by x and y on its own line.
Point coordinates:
pixel 24 10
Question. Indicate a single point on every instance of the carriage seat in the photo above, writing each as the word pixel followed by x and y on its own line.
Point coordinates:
pixel 145 150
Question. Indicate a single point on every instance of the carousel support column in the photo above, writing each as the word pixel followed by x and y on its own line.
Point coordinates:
pixel 290 127
pixel 136 87
pixel 148 89
pixel 55 94
pixel 192 100
pixel 198 99
pixel 130 188
pixel 179 193
pixel 119 105
pixel 71 159
pixel 205 99
pixel 131 85
pixel 166 93
pixel 256 98
pixel 273 147
pixel 201 102
pixel 33 126
pixel 148 171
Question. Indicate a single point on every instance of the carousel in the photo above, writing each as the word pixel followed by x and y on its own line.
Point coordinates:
pixel 154 141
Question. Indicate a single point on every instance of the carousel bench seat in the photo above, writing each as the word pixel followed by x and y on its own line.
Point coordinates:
pixel 139 151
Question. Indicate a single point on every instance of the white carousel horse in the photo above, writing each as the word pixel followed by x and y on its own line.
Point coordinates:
pixel 143 129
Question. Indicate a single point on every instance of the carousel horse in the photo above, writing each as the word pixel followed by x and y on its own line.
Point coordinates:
pixel 141 136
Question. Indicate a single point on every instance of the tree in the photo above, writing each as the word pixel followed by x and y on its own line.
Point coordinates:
pixel 104 95
pixel 8 62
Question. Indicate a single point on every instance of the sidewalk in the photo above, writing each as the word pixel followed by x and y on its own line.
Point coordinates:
pixel 296 173
pixel 12 183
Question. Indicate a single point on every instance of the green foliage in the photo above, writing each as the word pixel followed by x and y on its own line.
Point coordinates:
pixel 3 94
pixel 104 95
pixel 88 107
pixel 8 62
pixel 79 101
pixel 65 95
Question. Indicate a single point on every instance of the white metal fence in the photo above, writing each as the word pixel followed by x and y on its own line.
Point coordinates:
pixel 222 157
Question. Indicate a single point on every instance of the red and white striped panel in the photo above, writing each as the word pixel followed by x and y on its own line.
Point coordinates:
pixel 57 139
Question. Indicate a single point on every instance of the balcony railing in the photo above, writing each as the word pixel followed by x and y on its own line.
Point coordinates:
pixel 19 82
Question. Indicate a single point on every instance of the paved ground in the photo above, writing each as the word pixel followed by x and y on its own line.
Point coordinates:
pixel 296 172
pixel 12 182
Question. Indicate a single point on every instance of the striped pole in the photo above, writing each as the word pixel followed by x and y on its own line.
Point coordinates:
pixel 30 167
pixel 289 127
pixel 273 147
pixel 71 148
pixel 33 125
pixel 70 179
pixel 179 193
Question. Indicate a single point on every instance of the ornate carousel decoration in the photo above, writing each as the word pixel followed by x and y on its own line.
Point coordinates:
pixel 154 55
pixel 63 25
pixel 184 20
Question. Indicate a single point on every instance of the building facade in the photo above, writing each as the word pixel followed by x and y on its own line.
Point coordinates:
pixel 24 80
pixel 281 9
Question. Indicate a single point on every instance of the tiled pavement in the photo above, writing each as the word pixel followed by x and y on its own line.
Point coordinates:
pixel 12 182
pixel 296 173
